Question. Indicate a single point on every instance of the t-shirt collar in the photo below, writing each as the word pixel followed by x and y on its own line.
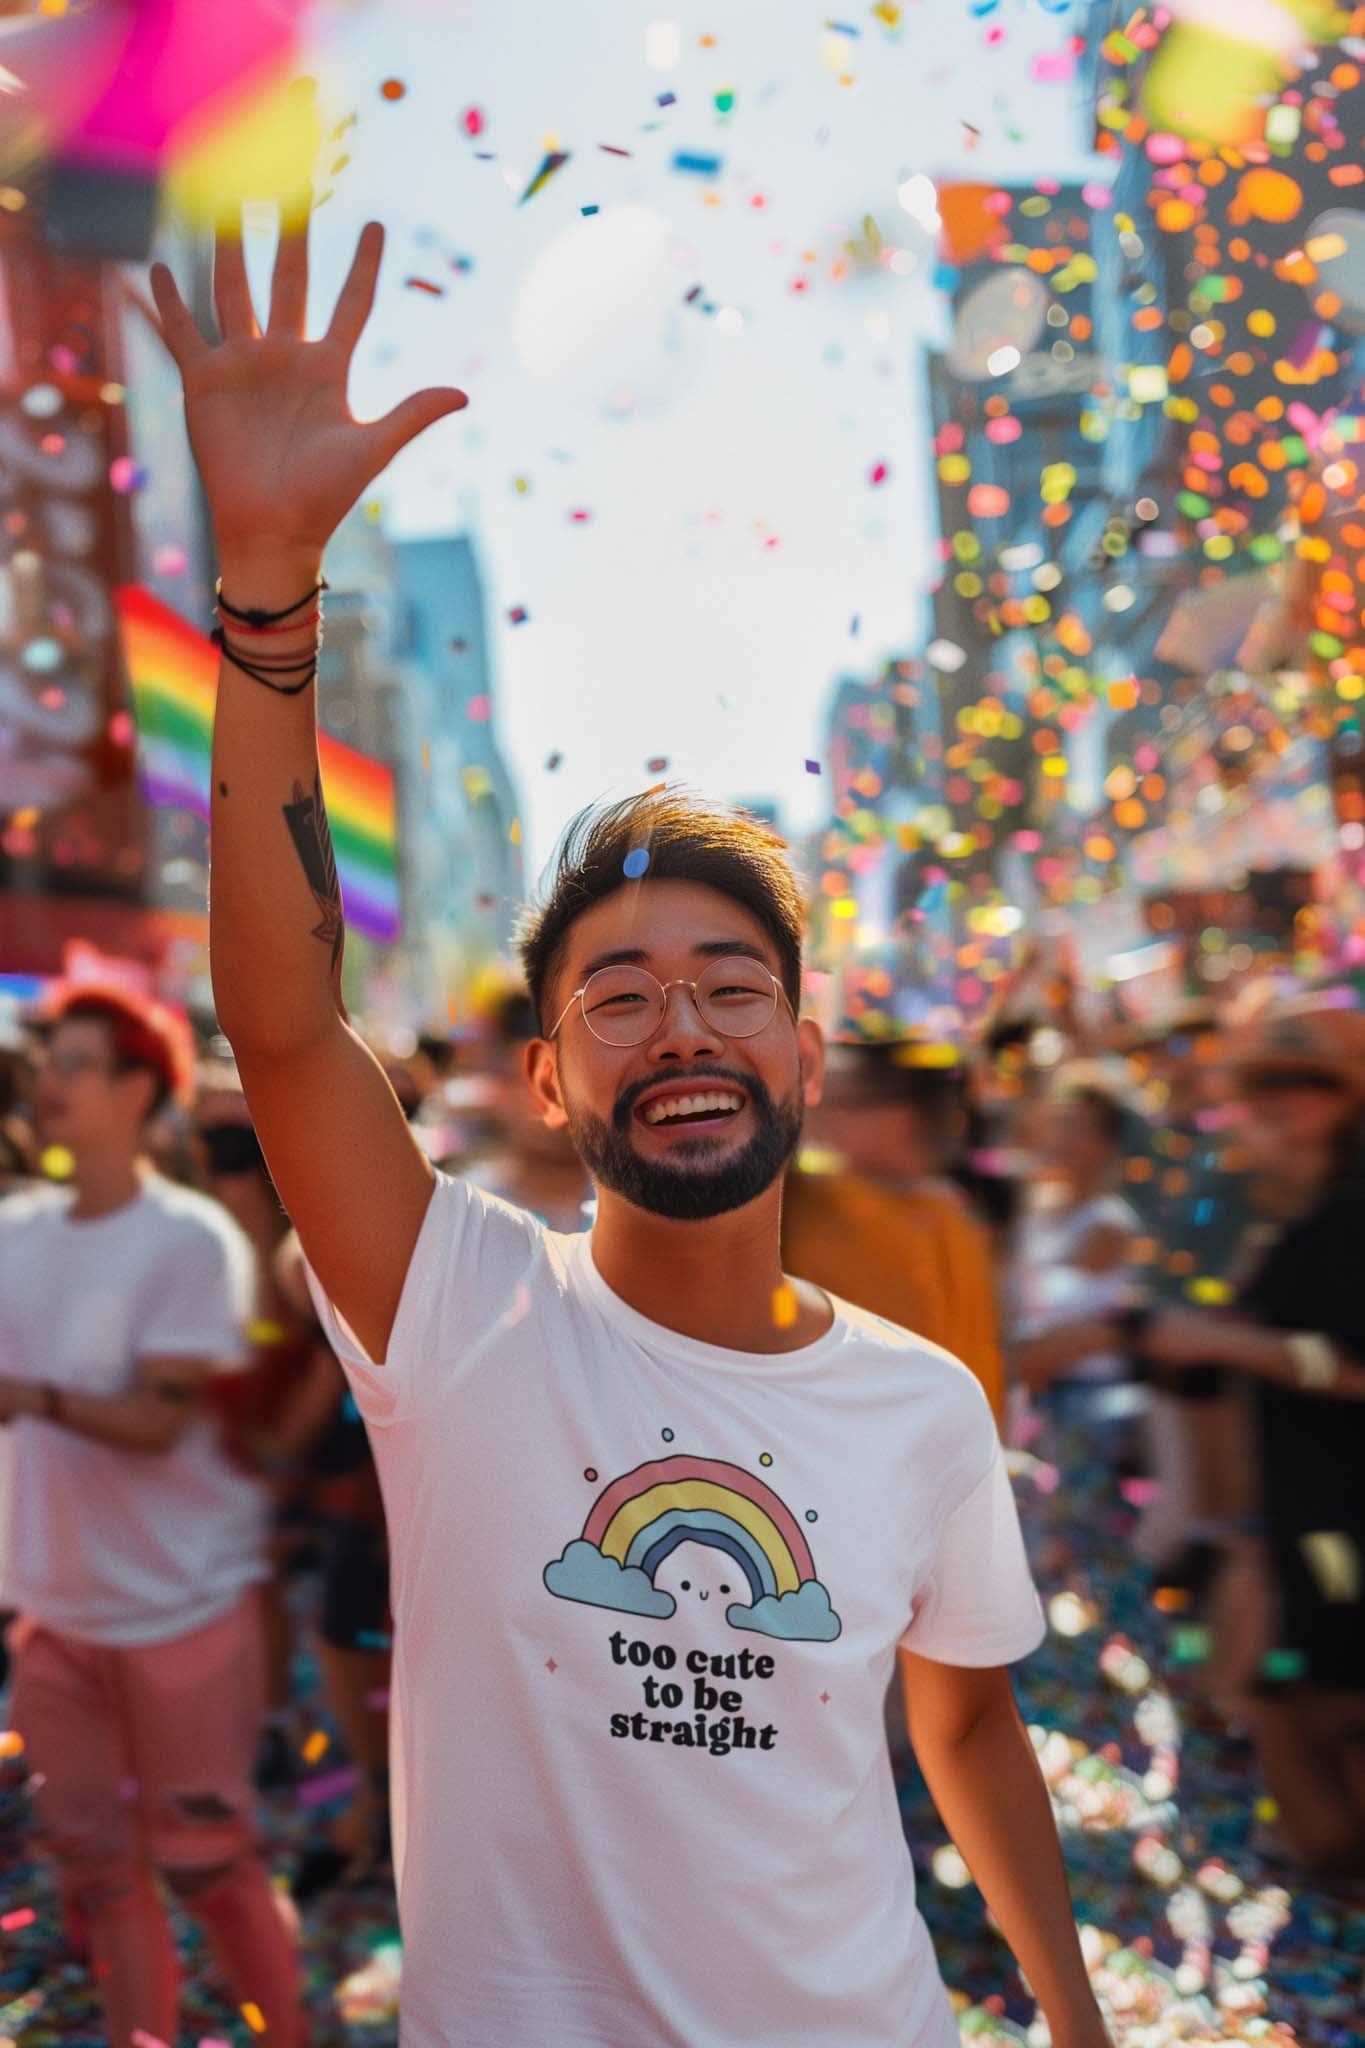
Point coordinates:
pixel 659 1339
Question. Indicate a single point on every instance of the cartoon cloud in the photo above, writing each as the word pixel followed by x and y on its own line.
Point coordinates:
pixel 804 1616
pixel 582 1573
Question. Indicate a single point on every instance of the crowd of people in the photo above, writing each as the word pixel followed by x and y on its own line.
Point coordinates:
pixel 1143 1249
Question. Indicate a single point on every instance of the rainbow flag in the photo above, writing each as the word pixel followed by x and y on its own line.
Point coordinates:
pixel 174 675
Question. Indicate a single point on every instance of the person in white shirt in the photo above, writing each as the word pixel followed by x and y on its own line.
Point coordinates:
pixel 1072 1273
pixel 661 1518
pixel 131 1546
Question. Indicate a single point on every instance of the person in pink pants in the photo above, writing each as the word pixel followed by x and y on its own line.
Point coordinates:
pixel 132 1548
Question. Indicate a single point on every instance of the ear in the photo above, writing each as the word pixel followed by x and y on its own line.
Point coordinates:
pixel 540 1062
pixel 811 1040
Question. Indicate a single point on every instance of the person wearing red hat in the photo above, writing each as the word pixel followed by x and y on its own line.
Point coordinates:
pixel 131 1545
pixel 1294 1347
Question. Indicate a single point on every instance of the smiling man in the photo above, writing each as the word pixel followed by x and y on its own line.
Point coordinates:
pixel 625 1816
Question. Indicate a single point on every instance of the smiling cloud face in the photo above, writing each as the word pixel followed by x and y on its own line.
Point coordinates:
pixel 702 1580
pixel 583 1574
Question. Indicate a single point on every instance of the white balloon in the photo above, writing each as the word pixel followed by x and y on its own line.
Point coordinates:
pixel 602 319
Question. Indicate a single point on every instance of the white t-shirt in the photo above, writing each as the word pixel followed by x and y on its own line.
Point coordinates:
pixel 1051 1290
pixel 647 1595
pixel 112 1545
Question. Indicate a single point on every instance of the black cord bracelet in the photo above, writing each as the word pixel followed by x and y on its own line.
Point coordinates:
pixel 306 670
pixel 255 617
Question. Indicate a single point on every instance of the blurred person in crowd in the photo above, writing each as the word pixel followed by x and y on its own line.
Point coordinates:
pixel 870 1214
pixel 1195 1206
pixel 291 1420
pixel 1291 1601
pixel 133 1548
pixel 273 1410
pixel 355 1624
pixel 530 1165
pixel 1070 1272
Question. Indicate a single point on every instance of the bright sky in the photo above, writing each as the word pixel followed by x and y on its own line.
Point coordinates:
pixel 704 607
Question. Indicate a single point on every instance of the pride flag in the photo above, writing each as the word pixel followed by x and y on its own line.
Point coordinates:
pixel 174 675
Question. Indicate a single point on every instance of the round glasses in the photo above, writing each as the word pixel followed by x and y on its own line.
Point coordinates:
pixel 735 997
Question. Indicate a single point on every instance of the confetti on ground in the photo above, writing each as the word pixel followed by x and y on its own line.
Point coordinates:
pixel 518 615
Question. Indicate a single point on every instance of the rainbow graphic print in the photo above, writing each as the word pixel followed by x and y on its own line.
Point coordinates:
pixel 173 671
pixel 638 1521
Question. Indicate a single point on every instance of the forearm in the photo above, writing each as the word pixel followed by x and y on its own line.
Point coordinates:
pixel 275 929
pixel 1270 1355
pixel 992 1799
pixel 1039 1359
pixel 130 1422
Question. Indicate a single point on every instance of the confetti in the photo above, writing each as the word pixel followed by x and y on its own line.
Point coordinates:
pixel 553 161
pixel 518 615
pixel 697 163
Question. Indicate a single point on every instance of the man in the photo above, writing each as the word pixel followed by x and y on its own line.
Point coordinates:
pixel 659 1516
pixel 131 1546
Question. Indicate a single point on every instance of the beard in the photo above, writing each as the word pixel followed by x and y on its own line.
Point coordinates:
pixel 706 1186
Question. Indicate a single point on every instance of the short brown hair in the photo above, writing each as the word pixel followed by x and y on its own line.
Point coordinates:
pixel 145 1036
pixel 687 839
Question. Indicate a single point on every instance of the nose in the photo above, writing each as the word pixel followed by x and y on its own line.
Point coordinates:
pixel 683 1033
pixel 706 1596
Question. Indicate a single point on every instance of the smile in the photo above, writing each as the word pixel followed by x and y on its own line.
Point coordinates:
pixel 709 1106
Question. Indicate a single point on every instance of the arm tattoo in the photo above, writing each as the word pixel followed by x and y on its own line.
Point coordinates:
pixel 306 818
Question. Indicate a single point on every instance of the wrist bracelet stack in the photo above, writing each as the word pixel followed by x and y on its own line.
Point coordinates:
pixel 257 625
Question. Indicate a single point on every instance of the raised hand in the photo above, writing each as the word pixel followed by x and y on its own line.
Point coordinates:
pixel 280 457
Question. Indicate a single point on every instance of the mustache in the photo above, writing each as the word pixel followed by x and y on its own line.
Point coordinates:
pixel 627 1099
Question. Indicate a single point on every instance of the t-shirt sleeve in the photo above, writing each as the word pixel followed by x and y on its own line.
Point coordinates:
pixel 978 1605
pixel 469 1269
pixel 203 1295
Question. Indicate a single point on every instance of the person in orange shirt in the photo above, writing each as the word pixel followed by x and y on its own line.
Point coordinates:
pixel 870 1215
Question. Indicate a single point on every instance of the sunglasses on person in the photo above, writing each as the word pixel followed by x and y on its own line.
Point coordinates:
pixel 735 997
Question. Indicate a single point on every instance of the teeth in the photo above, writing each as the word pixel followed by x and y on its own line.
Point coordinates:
pixel 689 1105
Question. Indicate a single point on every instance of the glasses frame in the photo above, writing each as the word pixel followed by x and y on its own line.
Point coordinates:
pixel 679 981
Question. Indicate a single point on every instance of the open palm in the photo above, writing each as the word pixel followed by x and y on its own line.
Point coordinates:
pixel 280 457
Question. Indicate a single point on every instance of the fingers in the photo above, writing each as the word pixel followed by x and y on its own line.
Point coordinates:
pixel 410 419
pixel 178 329
pixel 357 294
pixel 231 292
pixel 289 290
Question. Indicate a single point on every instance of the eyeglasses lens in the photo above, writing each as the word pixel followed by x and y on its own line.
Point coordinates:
pixel 735 998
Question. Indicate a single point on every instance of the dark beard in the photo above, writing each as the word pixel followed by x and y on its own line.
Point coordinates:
pixel 689 1194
